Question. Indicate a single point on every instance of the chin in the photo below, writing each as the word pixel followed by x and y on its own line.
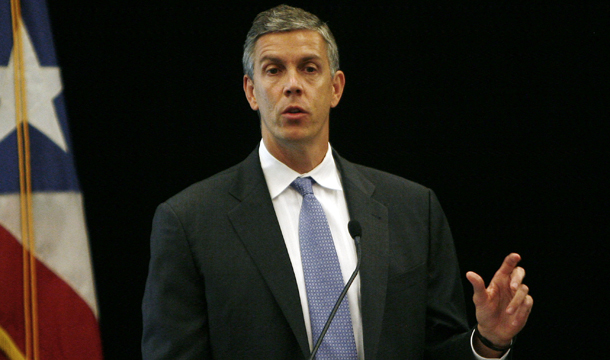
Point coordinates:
pixel 296 137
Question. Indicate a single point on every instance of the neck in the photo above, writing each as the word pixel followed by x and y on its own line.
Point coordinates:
pixel 300 158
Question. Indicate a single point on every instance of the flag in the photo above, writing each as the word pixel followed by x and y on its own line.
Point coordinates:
pixel 48 307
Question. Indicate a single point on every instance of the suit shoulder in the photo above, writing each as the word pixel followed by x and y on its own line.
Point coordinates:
pixel 399 195
pixel 385 180
pixel 206 190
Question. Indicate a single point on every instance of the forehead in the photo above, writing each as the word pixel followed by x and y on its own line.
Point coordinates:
pixel 299 43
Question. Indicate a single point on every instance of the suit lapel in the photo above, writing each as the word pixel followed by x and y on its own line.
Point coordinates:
pixel 373 218
pixel 256 224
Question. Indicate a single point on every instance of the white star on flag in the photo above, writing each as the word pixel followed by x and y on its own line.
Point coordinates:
pixel 43 85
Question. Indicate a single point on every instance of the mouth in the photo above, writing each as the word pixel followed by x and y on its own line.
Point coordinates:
pixel 292 110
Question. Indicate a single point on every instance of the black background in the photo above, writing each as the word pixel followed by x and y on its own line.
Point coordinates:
pixel 499 106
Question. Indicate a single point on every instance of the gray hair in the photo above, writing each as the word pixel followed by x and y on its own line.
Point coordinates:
pixel 285 18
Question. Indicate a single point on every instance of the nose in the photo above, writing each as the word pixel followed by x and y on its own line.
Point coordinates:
pixel 293 84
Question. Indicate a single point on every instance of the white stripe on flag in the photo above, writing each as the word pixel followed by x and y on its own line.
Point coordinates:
pixel 61 237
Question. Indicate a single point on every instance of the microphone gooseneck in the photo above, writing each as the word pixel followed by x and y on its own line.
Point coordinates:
pixel 355 232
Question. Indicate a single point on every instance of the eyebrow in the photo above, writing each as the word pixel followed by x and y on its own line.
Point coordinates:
pixel 274 59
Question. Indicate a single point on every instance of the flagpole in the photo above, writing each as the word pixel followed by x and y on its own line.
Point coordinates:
pixel 25 182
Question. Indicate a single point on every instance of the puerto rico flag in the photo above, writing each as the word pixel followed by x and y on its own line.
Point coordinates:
pixel 48 306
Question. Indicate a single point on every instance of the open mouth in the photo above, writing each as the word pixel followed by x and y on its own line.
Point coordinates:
pixel 294 110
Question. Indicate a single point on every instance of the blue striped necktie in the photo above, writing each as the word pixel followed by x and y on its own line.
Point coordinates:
pixel 323 278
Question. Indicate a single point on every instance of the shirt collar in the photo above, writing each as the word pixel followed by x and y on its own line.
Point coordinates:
pixel 279 176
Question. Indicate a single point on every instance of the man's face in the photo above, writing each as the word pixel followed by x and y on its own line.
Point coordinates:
pixel 293 89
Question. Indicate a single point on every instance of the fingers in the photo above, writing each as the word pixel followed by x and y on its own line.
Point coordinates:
pixel 509 264
pixel 517 300
pixel 516 278
pixel 523 312
pixel 506 286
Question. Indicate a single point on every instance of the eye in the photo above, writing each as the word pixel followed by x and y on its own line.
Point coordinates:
pixel 272 71
pixel 310 69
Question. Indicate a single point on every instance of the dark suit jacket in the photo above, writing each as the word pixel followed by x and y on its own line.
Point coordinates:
pixel 221 285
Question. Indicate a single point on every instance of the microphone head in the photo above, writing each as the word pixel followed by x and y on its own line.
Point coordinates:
pixel 354 228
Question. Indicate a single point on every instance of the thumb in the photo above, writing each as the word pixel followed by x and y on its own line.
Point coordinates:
pixel 478 286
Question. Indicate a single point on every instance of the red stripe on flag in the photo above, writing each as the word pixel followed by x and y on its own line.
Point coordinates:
pixel 11 288
pixel 67 326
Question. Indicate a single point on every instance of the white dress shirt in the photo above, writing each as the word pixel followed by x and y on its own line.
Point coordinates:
pixel 287 204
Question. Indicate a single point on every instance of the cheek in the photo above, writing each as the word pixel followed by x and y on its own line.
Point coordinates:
pixel 325 98
pixel 265 105
pixel 264 99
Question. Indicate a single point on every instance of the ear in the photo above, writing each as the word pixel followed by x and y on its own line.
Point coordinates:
pixel 249 90
pixel 338 86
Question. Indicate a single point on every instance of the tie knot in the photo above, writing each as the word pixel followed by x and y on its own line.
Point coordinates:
pixel 303 185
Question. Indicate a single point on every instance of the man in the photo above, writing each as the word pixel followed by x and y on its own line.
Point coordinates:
pixel 231 274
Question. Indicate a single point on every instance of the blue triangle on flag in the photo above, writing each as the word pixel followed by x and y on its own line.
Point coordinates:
pixel 52 169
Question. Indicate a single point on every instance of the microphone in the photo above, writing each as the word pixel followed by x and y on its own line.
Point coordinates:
pixel 355 232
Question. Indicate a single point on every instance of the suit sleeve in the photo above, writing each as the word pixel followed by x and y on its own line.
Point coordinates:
pixel 174 305
pixel 447 332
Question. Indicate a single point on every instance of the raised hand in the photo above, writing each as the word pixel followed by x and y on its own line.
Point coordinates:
pixel 503 307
